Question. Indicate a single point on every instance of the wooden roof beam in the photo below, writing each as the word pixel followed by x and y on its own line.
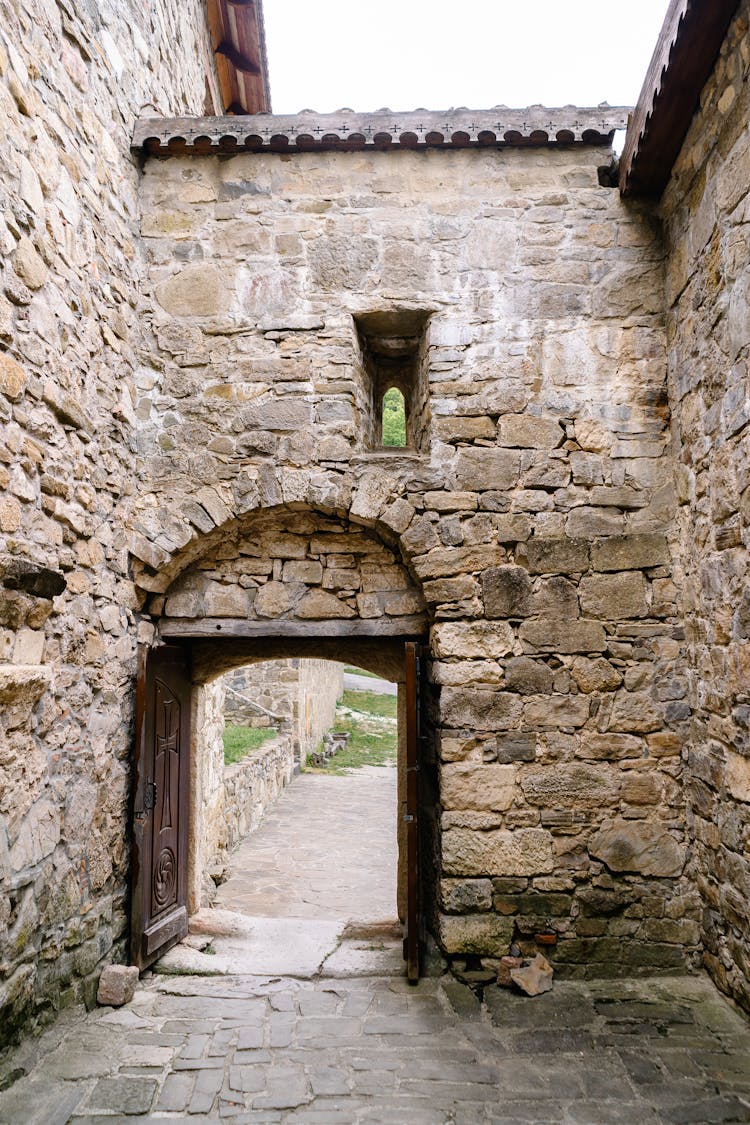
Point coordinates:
pixel 239 45
pixel 237 59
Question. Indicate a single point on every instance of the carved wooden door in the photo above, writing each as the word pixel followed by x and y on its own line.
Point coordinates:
pixel 413 925
pixel 161 802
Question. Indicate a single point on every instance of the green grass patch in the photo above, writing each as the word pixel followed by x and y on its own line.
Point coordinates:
pixel 373 730
pixel 372 743
pixel 239 741
pixel 372 702
pixel 361 672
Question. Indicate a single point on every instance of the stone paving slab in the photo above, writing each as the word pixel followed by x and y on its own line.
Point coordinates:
pixel 326 850
pixel 296 947
pixel 364 1050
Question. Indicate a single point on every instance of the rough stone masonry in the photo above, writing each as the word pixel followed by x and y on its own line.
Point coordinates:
pixel 533 521
pixel 72 80
pixel 191 355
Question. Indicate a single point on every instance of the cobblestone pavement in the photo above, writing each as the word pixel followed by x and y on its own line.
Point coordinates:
pixel 369 1049
pixel 374 1050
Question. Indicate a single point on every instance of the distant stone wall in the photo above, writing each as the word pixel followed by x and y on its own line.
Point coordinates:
pixel 707 222
pixel 535 518
pixel 206 789
pixel 321 688
pixel 272 684
pixel 302 693
pixel 73 77
pixel 252 786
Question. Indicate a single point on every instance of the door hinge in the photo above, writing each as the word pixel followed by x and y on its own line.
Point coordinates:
pixel 408 818
pixel 149 797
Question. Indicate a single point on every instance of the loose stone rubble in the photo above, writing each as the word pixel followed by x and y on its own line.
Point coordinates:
pixel 533 977
pixel 187 403
pixel 117 985
pixel 333 741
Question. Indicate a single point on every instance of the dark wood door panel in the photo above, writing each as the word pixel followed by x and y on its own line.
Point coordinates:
pixel 161 802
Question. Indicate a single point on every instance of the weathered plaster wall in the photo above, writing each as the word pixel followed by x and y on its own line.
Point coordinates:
pixel 537 518
pixel 72 80
pixel 707 221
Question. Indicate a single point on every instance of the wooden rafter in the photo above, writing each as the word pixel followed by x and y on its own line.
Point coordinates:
pixel 241 63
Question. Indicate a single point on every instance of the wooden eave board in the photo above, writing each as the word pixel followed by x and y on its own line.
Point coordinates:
pixel 685 54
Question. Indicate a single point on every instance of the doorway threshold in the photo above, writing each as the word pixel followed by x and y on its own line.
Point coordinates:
pixel 223 943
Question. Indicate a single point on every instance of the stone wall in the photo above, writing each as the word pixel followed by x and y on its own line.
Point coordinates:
pixel 707 222
pixel 226 801
pixel 303 566
pixel 272 685
pixel 321 688
pixel 184 401
pixel 252 786
pixel 302 694
pixel 206 821
pixel 535 519
pixel 72 80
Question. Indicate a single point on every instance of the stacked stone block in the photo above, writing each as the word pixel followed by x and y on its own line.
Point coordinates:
pixel 251 787
pixel 72 79
pixel 706 212
pixel 298 566
pixel 534 525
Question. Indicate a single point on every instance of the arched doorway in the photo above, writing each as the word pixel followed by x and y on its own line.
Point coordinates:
pixel 280 583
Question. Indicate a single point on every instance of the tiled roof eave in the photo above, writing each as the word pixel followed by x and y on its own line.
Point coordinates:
pixel 536 126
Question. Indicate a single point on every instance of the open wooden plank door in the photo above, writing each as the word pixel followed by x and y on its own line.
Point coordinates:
pixel 161 803
pixel 413 925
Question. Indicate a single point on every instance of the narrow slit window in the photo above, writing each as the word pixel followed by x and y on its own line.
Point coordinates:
pixel 393 379
pixel 394 419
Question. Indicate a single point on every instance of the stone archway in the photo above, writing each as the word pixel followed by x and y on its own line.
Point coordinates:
pixel 286 582
pixel 291 572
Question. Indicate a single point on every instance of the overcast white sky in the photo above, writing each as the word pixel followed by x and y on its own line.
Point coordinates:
pixel 438 54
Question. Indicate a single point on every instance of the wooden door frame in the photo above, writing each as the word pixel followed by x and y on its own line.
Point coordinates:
pixel 189 644
pixel 413 922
